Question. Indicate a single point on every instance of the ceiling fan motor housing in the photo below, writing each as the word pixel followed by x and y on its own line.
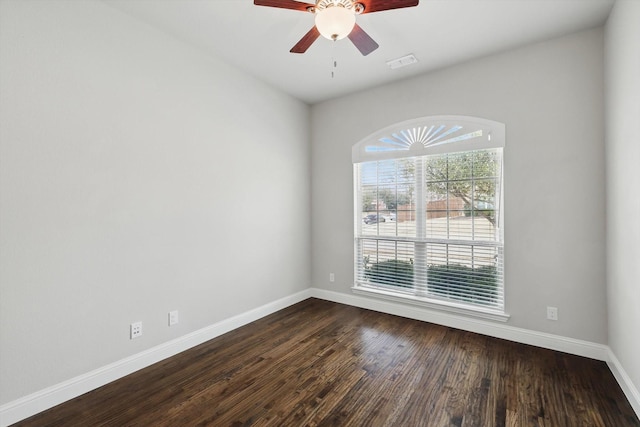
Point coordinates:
pixel 357 8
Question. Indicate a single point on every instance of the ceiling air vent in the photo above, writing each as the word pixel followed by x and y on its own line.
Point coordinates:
pixel 402 62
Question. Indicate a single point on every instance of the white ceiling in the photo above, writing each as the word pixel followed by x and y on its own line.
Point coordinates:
pixel 438 32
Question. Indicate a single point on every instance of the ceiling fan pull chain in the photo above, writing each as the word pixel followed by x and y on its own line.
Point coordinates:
pixel 333 59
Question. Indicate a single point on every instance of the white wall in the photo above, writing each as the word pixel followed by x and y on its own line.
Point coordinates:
pixel 550 96
pixel 137 176
pixel 622 82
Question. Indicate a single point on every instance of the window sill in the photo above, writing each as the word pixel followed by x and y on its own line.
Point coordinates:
pixel 451 307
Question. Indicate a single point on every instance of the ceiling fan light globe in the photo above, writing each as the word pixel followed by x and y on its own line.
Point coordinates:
pixel 335 23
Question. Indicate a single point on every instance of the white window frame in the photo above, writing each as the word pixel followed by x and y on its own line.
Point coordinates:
pixel 427 136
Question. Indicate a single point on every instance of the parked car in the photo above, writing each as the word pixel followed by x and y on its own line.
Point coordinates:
pixel 484 205
pixel 373 218
pixel 389 217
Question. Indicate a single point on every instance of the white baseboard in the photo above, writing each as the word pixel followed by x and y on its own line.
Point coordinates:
pixel 27 406
pixel 32 404
pixel 630 390
pixel 477 325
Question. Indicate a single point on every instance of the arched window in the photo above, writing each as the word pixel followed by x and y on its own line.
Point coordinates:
pixel 428 213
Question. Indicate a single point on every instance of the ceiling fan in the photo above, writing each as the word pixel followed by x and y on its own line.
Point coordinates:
pixel 336 19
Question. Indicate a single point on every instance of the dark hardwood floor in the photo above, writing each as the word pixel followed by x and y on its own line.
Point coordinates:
pixel 319 363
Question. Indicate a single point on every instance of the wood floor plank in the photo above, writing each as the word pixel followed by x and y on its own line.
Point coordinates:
pixel 319 363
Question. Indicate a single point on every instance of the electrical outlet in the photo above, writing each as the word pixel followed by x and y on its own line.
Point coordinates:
pixel 332 277
pixel 173 317
pixel 552 313
pixel 136 330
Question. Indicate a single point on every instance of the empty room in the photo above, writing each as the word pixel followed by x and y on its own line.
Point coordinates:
pixel 320 213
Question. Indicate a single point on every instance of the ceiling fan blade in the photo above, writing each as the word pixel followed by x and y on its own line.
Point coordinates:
pixel 362 40
pixel 284 4
pixel 306 41
pixel 379 5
